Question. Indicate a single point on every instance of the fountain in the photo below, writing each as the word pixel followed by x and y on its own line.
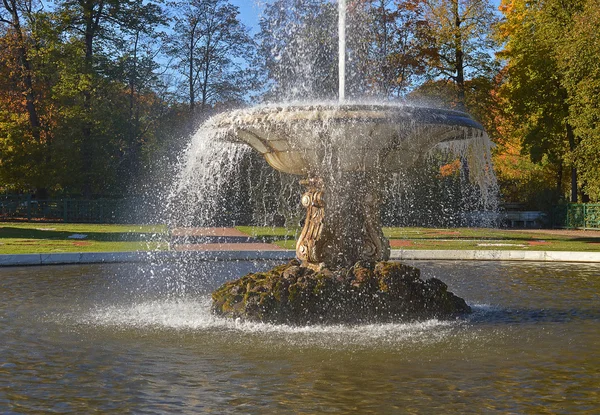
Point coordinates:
pixel 345 152
pixel 141 338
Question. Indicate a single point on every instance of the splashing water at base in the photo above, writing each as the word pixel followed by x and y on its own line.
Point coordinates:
pixel 194 315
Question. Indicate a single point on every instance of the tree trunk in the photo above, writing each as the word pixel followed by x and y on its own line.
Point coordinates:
pixel 132 81
pixel 207 63
pixel 26 75
pixel 572 145
pixel 92 21
pixel 585 198
pixel 559 178
pixel 573 184
pixel 131 160
pixel 191 70
pixel 459 57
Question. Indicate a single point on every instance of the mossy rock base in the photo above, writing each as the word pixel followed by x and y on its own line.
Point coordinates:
pixel 365 293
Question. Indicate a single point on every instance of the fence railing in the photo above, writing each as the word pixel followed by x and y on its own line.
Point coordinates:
pixel 576 216
pixel 66 210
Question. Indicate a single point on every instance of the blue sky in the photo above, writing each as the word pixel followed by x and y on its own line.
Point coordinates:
pixel 250 11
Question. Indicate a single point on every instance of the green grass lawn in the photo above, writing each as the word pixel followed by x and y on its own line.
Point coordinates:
pixel 458 238
pixel 27 238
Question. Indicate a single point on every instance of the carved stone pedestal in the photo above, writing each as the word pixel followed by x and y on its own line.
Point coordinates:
pixel 342 224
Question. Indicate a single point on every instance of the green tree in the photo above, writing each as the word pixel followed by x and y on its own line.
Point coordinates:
pixel 98 28
pixel 211 49
pixel 534 89
pixel 578 61
pixel 137 67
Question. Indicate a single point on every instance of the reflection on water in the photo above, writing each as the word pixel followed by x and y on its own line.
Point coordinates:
pixel 115 339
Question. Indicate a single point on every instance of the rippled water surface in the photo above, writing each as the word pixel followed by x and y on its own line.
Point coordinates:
pixel 118 339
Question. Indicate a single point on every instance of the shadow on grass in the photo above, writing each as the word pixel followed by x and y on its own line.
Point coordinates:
pixel 490 235
pixel 20 233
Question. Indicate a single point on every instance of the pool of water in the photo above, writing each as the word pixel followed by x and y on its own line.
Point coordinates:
pixel 123 339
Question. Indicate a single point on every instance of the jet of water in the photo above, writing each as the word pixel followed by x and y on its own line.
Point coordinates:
pixel 342 49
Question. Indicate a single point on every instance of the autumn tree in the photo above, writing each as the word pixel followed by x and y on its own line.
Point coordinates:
pixel 534 86
pixel 398 46
pixel 462 43
pixel 24 138
pixel 11 16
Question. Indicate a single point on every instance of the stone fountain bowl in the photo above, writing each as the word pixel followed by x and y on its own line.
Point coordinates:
pixel 309 139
